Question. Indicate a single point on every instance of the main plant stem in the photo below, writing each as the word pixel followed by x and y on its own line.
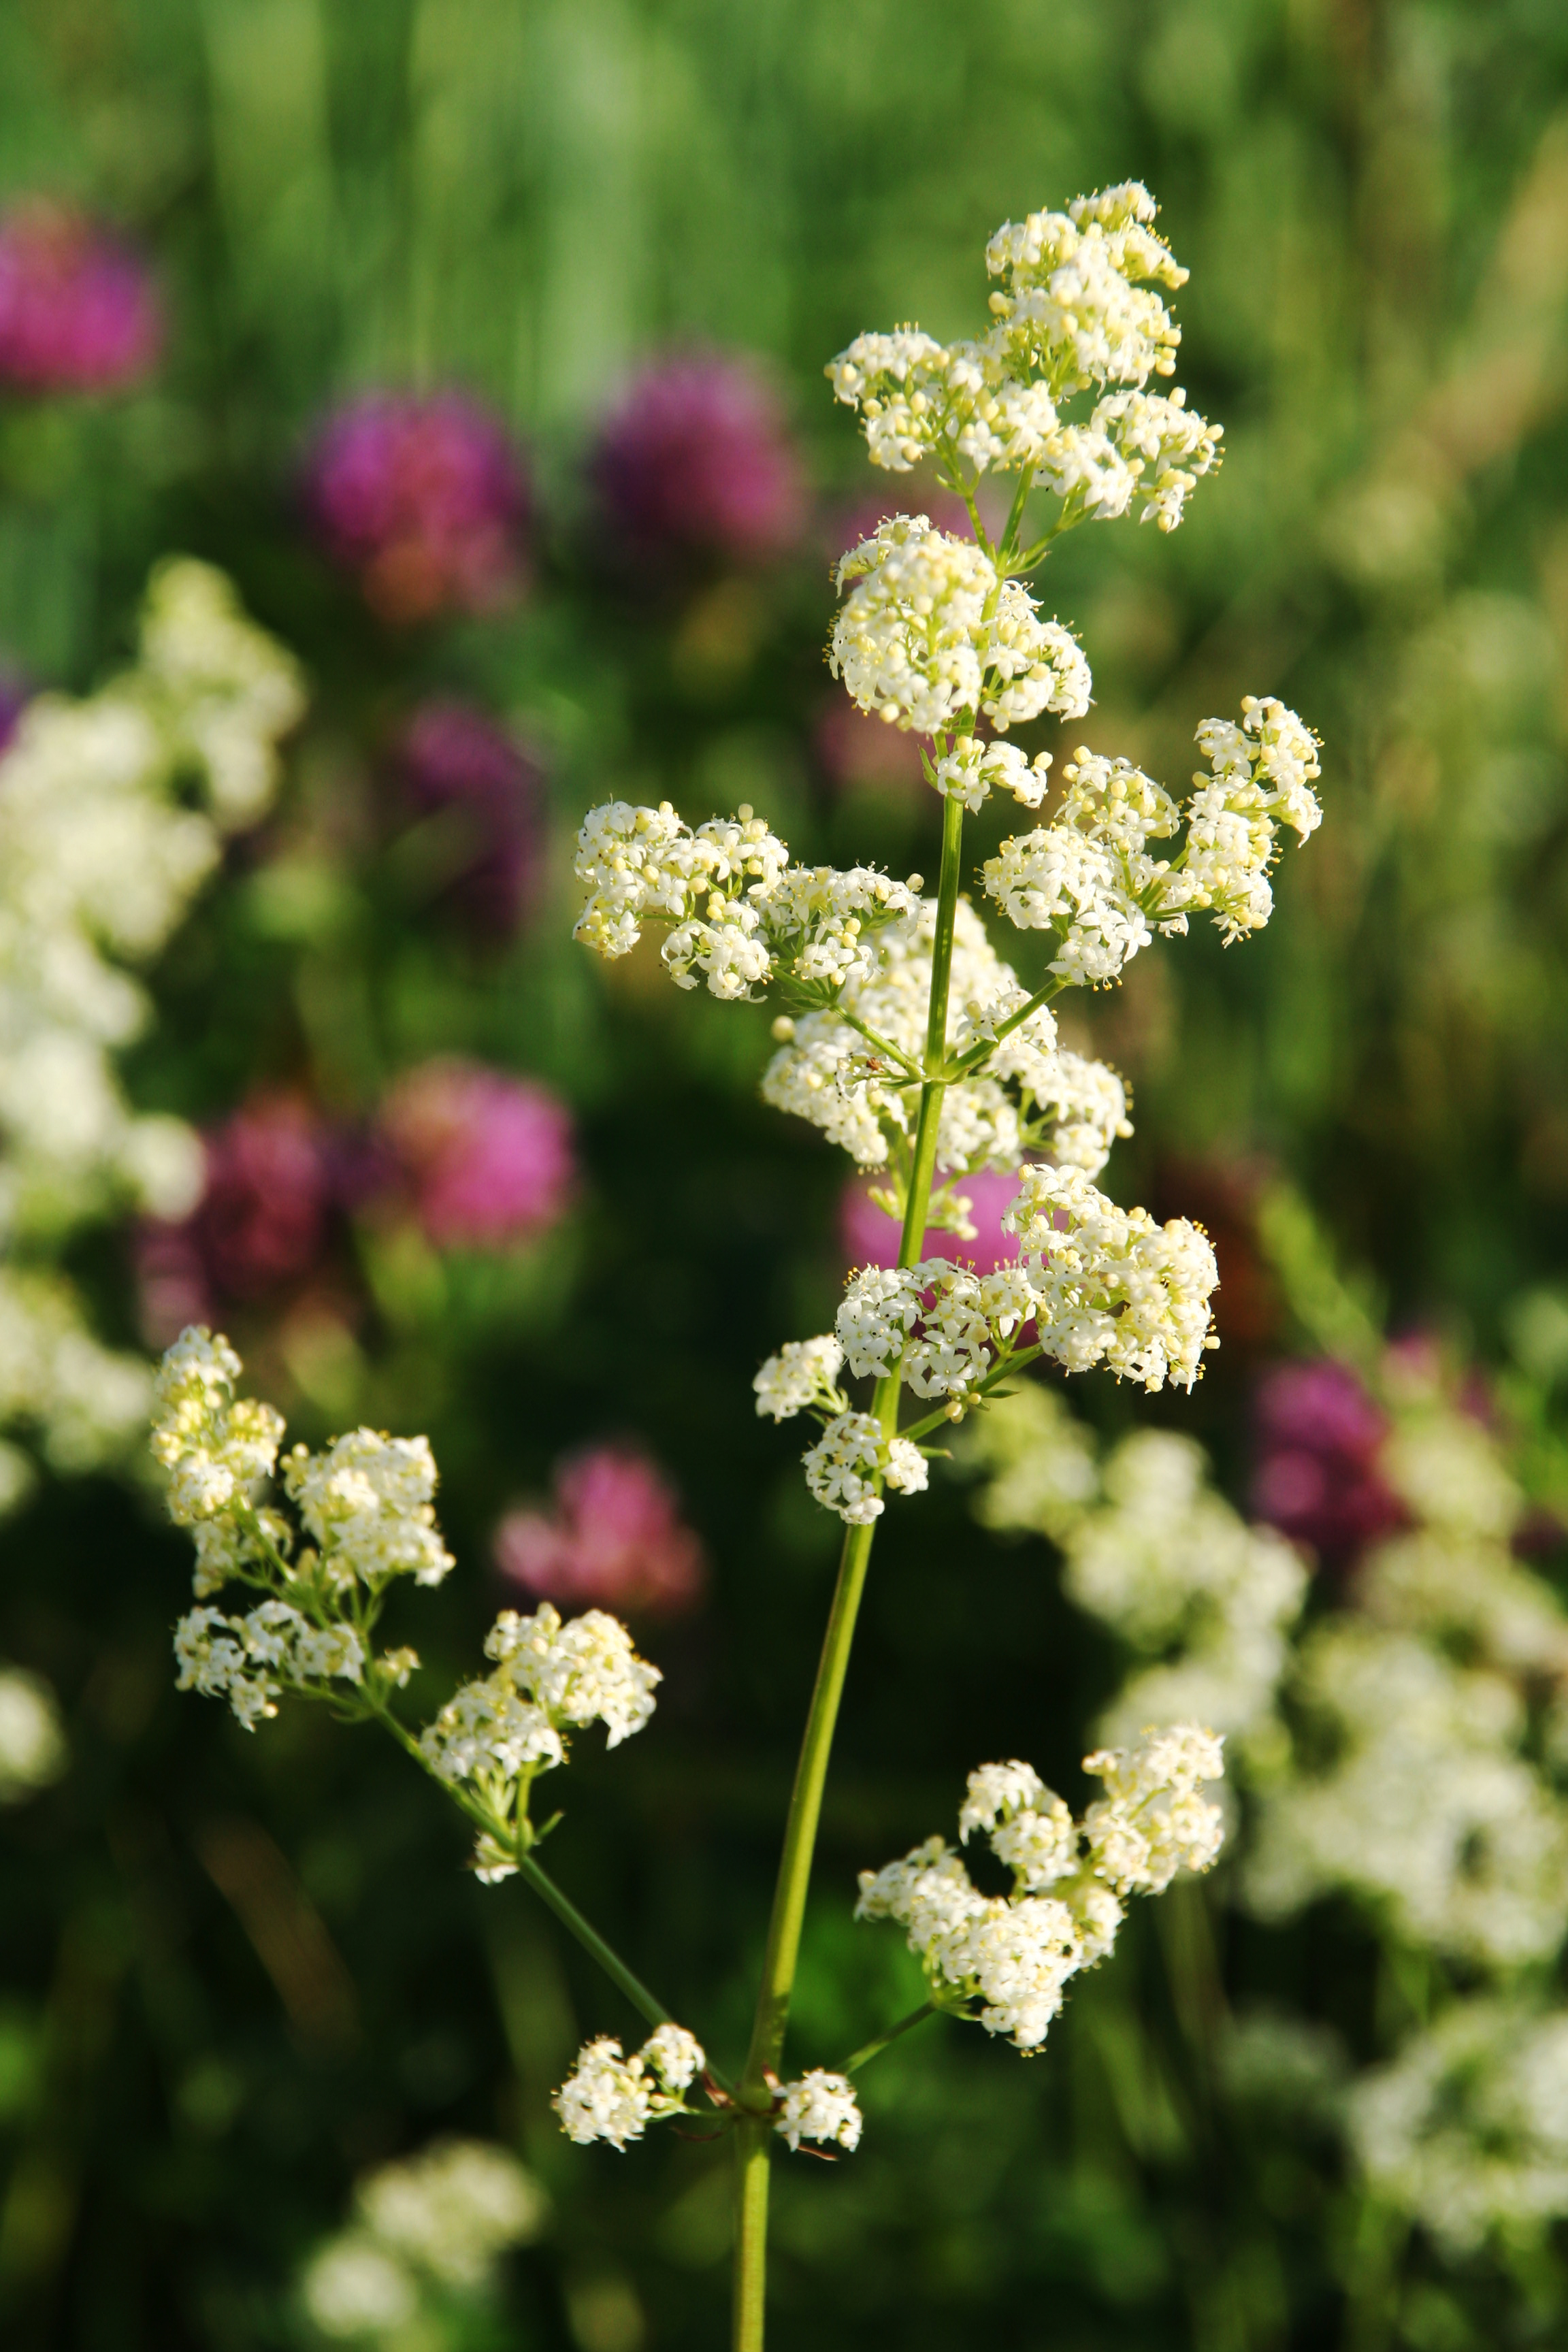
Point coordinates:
pixel 753 2135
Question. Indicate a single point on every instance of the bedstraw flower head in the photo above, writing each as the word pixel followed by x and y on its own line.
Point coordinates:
pixel 820 2106
pixel 368 1503
pixel 1033 1096
pixel 550 1677
pixel 739 911
pixel 216 1448
pixel 1111 1286
pixel 804 1374
pixel 1078 311
pixel 1152 1822
pixel 609 2096
pixel 973 770
pixel 929 630
pixel 1006 1961
pixel 853 1452
pixel 249 1661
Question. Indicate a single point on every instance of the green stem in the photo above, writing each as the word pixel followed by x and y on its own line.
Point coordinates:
pixel 754 2093
pixel 979 1055
pixel 935 1421
pixel 1020 500
pixel 645 2003
pixel 895 1054
pixel 615 1968
pixel 875 2049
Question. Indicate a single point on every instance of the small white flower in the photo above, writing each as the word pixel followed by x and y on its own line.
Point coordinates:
pixel 802 1374
pixel 819 2107
pixel 675 2056
pixel 1002 1789
pixel 604 2096
pixel 1006 1961
pixel 368 1503
pixel 611 2097
pixel 843 1463
pixel 582 1671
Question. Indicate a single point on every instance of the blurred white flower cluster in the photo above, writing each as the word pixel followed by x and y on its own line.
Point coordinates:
pixel 1405 1747
pixel 1151 1548
pixel 424 2244
pixel 367 1521
pixel 1005 1960
pixel 102 850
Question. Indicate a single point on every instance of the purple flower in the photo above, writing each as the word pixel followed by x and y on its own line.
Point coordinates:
pixel 488 1159
pixel 455 759
pixel 1316 1478
pixel 423 500
pixel 615 1538
pixel 263 1221
pixel 696 461
pixel 869 1236
pixel 78 312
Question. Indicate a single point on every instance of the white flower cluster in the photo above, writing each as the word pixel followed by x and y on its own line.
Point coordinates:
pixel 217 1449
pixel 931 632
pixel 1466 2131
pixel 32 1749
pixel 427 2225
pixel 971 769
pixel 918 397
pixel 83 1400
pixel 1103 1285
pixel 1078 310
pixel 820 2106
pixel 1427 1811
pixel 1006 1961
pixel 942 1323
pixel 1078 299
pixel 551 1677
pixel 741 914
pixel 1032 1095
pixel 251 1660
pixel 1111 1286
pixel 1261 778
pixel 99 855
pixel 368 1502
pixel 1089 876
pixel 852 1453
pixel 611 2097
pixel 1153 1550
pixel 802 1378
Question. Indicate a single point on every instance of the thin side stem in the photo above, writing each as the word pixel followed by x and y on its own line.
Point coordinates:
pixel 754 2092
pixel 894 1053
pixel 645 2003
pixel 982 1389
pixel 875 2049
pixel 979 1055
